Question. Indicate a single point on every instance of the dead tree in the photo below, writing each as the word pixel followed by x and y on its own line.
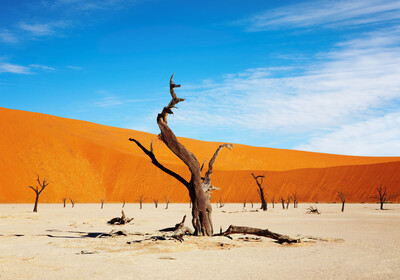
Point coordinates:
pixel 199 187
pixel 288 201
pixel 72 202
pixel 283 203
pixel 273 201
pixel 221 204
pixel 155 203
pixel 343 199
pixel 120 220
pixel 141 199
pixel 244 203
pixel 167 201
pixel 259 181
pixel 64 201
pixel 295 199
pixel 38 190
pixel 381 196
pixel 102 203
pixel 312 210
pixel 252 204
pixel 123 203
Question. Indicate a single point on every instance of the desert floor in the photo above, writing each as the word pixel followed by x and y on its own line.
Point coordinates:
pixel 60 243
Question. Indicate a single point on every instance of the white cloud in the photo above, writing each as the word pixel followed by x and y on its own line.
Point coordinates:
pixel 14 68
pixel 42 67
pixel 374 137
pixel 8 37
pixel 355 82
pixel 42 29
pixel 108 101
pixel 326 14
pixel 74 67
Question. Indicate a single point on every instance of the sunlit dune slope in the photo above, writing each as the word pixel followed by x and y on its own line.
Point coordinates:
pixel 88 162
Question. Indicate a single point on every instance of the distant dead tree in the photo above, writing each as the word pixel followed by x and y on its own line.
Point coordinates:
pixel 155 203
pixel 252 203
pixel 199 187
pixel 295 198
pixel 273 201
pixel 221 204
pixel 288 201
pixel 167 201
pixel 244 203
pixel 102 203
pixel 381 196
pixel 283 202
pixel 64 201
pixel 343 199
pixel 123 203
pixel 259 181
pixel 72 202
pixel 141 199
pixel 312 210
pixel 38 190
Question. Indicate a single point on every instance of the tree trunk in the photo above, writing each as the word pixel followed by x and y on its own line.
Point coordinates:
pixel 199 188
pixel 36 203
pixel 343 206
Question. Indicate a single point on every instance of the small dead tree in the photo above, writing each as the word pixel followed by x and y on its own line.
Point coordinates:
pixel 288 201
pixel 244 203
pixel 123 203
pixel 343 199
pixel 102 203
pixel 167 201
pixel 38 190
pixel 381 196
pixel 155 203
pixel 252 203
pixel 221 204
pixel 295 198
pixel 283 202
pixel 120 220
pixel 72 202
pixel 141 199
pixel 199 187
pixel 259 181
pixel 64 201
pixel 273 201
pixel 312 210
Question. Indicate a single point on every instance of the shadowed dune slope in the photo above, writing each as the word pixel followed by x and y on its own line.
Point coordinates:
pixel 88 162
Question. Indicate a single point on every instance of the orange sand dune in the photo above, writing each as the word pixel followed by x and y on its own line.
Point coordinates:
pixel 88 162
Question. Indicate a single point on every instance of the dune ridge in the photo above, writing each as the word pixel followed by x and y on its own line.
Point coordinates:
pixel 88 162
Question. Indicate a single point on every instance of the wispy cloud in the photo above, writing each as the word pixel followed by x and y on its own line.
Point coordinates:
pixel 42 67
pixel 87 5
pixel 13 68
pixel 378 136
pixel 42 29
pixel 74 67
pixel 326 14
pixel 355 82
pixel 108 101
pixel 7 37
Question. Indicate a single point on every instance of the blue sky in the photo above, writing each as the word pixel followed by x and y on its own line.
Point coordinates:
pixel 319 76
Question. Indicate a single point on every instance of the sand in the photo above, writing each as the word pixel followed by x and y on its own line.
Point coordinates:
pixel 56 243
pixel 90 162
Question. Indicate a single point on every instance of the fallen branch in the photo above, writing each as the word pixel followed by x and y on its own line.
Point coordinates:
pixel 259 232
pixel 120 220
